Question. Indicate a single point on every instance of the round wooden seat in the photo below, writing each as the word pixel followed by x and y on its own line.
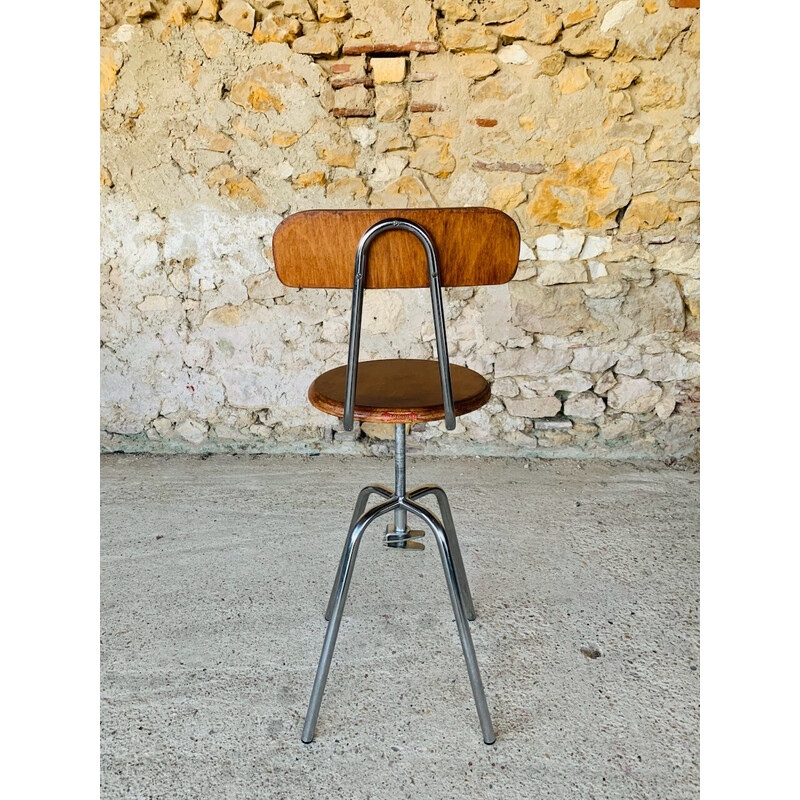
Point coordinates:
pixel 399 390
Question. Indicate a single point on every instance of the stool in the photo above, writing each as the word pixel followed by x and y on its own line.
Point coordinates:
pixel 406 249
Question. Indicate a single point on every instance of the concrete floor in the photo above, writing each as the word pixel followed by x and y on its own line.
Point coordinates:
pixel 215 573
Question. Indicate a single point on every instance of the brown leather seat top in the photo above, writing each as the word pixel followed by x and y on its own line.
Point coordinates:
pixel 399 390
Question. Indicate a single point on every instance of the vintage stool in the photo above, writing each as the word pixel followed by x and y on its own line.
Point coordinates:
pixel 407 249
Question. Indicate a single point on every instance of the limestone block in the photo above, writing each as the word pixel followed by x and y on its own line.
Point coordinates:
pixel 622 77
pixel 343 155
pixel 525 251
pixel 657 308
pixel 531 362
pixel 506 197
pixel 469 37
pixel 306 180
pixel 389 168
pixel 513 54
pixel 503 11
pixel 553 64
pixel 634 395
pixel 556 272
pixel 630 130
pixel 533 407
pixel 353 98
pixel 619 104
pixel 629 365
pixel 577 42
pixel 537 25
pixel 666 405
pixel 300 9
pixel 593 359
pixel 569 381
pixel 505 387
pixel 239 14
pixel 580 195
pixel 563 246
pixel 669 144
pixel 616 14
pixel 163 426
pixel 434 157
pixel 383 311
pixel 405 192
pixel 276 28
pixel 208 9
pixel 141 9
pixel 585 405
pixel 670 367
pixel 467 189
pixel 177 14
pixel 192 430
pixel 332 10
pixel 476 65
pixel 605 383
pixel 595 246
pixel 573 80
pixel 378 430
pixel 660 88
pixel 618 428
pixel 644 212
pixel 581 14
pixel 390 103
pixel 648 37
pixel 597 269
pixel 325 42
pixel 388 70
pixel 393 137
pixel 454 10
pixel 556 310
pixel 107 19
pixel 284 139
pixel 687 190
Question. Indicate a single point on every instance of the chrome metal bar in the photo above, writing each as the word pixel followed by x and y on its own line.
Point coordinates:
pixel 445 551
pixel 359 280
pixel 361 504
pixel 450 528
pixel 342 587
pixel 400 517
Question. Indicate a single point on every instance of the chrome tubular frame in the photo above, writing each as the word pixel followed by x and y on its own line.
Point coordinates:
pixel 359 280
pixel 452 562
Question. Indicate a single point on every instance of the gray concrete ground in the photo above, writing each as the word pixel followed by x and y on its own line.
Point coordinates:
pixel 215 573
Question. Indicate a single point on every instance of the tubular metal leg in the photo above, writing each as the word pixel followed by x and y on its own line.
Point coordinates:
pixel 450 528
pixel 342 586
pixel 361 504
pixel 445 551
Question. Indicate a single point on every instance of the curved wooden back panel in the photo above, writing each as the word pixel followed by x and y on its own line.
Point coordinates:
pixel 317 249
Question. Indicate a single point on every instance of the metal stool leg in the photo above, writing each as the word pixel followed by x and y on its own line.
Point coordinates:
pixel 445 551
pixel 361 504
pixel 450 528
pixel 342 586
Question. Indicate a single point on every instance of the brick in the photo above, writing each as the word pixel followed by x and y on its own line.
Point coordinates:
pixel 357 48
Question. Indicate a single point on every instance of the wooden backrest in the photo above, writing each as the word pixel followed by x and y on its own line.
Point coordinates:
pixel 475 247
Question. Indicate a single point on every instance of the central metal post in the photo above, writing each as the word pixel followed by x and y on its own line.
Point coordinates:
pixel 400 514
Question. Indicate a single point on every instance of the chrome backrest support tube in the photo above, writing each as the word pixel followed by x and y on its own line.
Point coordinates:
pixel 359 279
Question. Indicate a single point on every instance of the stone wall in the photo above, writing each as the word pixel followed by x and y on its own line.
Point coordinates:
pixel 580 119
